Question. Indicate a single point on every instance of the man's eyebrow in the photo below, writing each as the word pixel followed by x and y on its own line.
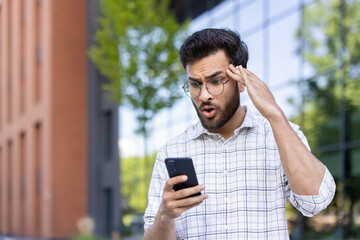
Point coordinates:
pixel 214 74
pixel 207 77
pixel 195 79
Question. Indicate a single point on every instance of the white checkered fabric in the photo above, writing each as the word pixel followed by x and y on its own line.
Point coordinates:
pixel 245 182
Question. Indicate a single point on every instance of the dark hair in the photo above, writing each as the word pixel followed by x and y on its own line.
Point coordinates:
pixel 208 41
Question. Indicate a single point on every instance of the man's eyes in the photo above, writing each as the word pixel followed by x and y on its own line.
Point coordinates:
pixel 194 84
pixel 216 81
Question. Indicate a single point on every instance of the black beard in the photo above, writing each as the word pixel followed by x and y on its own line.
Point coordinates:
pixel 226 114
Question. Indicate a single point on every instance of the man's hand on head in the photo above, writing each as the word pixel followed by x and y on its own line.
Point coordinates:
pixel 258 92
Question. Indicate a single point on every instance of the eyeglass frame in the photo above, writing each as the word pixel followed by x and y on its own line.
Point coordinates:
pixel 200 86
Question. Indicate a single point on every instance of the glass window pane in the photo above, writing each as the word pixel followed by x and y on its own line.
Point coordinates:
pixel 251 15
pixel 280 6
pixel 256 53
pixel 283 95
pixel 283 60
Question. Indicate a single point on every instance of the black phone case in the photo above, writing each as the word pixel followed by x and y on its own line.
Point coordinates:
pixel 182 166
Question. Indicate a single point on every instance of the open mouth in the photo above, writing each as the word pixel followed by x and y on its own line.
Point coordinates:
pixel 208 111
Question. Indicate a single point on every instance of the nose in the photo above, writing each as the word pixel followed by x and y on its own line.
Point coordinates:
pixel 204 94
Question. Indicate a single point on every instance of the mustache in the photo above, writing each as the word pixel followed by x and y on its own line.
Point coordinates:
pixel 207 104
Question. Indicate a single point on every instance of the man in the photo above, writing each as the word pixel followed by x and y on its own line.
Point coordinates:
pixel 249 164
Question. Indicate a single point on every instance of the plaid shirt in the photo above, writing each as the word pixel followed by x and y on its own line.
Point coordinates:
pixel 245 182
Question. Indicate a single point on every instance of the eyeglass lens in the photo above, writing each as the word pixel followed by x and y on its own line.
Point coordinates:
pixel 214 87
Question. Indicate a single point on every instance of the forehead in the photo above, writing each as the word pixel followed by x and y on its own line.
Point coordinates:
pixel 208 65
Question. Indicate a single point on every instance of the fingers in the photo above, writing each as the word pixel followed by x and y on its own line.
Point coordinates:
pixel 188 191
pixel 181 193
pixel 248 75
pixel 191 202
pixel 173 209
pixel 235 74
pixel 241 74
pixel 174 203
pixel 184 202
pixel 174 180
pixel 244 72
pixel 177 206
pixel 248 72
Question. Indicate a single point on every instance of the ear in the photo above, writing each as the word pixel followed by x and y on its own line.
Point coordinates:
pixel 240 87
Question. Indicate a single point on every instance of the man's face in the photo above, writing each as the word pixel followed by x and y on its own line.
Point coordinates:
pixel 214 111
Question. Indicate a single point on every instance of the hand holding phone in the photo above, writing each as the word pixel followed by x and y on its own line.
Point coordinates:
pixel 182 166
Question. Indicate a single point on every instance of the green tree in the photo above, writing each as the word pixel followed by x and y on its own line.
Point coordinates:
pixel 136 48
pixel 133 182
pixel 322 36
pixel 330 40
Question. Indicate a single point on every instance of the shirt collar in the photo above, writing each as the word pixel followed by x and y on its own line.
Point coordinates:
pixel 250 120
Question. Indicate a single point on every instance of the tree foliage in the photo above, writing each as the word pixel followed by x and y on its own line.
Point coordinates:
pixel 133 184
pixel 327 36
pixel 330 40
pixel 136 48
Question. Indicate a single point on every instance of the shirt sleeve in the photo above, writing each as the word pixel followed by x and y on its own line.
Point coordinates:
pixel 157 183
pixel 311 205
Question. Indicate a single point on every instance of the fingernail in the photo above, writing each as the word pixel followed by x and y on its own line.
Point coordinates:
pixel 184 177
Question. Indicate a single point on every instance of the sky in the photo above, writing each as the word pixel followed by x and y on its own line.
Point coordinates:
pixel 284 67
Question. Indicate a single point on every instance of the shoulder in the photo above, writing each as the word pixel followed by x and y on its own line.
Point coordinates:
pixel 257 123
pixel 261 126
pixel 264 128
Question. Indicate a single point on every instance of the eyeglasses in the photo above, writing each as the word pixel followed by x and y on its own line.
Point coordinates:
pixel 214 86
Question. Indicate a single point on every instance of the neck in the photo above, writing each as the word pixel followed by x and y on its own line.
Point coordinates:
pixel 235 122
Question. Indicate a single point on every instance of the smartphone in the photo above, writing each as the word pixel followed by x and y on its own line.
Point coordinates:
pixel 182 166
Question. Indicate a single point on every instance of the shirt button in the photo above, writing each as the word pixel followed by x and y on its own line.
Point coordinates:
pixel 226 199
pixel 225 172
pixel 226 227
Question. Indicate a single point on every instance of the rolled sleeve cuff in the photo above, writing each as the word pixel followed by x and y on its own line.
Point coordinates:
pixel 148 222
pixel 311 205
